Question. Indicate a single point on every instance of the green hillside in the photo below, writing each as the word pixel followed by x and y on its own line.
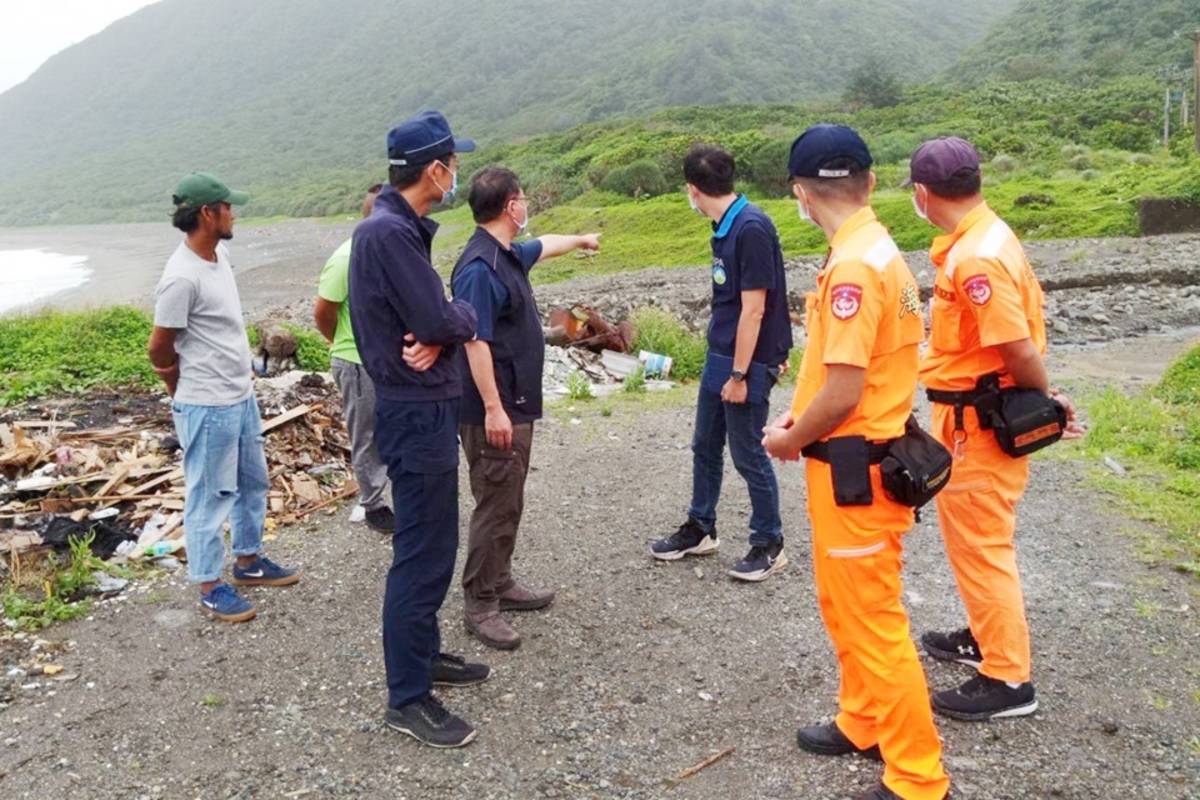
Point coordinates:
pixel 290 94
pixel 1086 38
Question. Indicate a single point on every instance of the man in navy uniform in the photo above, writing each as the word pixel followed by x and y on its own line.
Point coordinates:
pixel 749 336
pixel 407 331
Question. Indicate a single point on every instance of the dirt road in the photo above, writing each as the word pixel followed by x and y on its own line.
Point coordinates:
pixel 639 671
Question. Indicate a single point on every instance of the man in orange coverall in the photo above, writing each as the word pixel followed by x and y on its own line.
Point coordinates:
pixel 854 393
pixel 986 319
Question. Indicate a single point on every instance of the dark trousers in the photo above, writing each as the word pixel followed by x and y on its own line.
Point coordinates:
pixel 418 441
pixel 498 485
pixel 742 425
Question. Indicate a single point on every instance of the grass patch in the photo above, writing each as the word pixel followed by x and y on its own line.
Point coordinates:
pixel 56 593
pixel 56 352
pixel 68 353
pixel 1155 435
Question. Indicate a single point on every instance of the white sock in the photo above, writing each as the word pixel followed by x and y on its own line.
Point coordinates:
pixel 1013 684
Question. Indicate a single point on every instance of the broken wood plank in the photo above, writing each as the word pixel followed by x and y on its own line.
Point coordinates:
pixel 705 764
pixel 30 424
pixel 119 476
pixel 349 489
pixel 288 416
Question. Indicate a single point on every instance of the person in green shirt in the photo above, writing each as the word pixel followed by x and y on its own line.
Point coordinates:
pixel 332 315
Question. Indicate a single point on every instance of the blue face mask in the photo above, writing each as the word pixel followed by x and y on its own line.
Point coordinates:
pixel 448 194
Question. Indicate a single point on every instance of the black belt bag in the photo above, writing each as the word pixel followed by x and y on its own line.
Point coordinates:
pixel 1023 420
pixel 913 468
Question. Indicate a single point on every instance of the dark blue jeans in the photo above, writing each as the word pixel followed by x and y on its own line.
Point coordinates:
pixel 742 424
pixel 418 441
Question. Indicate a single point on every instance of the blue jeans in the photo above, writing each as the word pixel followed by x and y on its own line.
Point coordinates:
pixel 742 424
pixel 225 472
pixel 418 441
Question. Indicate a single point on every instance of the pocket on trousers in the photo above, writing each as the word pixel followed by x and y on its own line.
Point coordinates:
pixel 497 467
pixel 870 573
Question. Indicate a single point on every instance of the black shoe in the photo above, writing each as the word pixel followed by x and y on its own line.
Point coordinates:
pixel 451 670
pixel 828 740
pixel 880 792
pixel 760 563
pixel 381 520
pixel 428 721
pixel 982 698
pixel 959 646
pixel 690 539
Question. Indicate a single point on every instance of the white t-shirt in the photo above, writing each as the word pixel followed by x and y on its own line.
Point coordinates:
pixel 200 299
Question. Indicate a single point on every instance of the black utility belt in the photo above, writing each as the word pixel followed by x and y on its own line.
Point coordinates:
pixel 913 468
pixel 1023 420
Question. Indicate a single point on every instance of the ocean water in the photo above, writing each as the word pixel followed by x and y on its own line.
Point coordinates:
pixel 28 277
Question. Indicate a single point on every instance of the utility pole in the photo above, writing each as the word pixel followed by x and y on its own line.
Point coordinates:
pixel 1196 76
pixel 1167 120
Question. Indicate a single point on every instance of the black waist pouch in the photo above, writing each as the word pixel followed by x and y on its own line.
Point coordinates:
pixel 1026 420
pixel 916 467
pixel 850 459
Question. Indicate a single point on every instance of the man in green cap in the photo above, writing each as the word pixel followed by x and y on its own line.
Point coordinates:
pixel 199 348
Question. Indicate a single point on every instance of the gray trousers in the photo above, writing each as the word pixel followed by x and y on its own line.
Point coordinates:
pixel 358 410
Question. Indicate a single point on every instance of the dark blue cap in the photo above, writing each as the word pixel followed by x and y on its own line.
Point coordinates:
pixel 823 144
pixel 423 138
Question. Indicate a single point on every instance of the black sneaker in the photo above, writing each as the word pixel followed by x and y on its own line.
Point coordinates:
pixel 451 670
pixel 828 740
pixel 760 563
pixel 881 792
pixel 381 520
pixel 428 721
pixel 982 698
pixel 959 646
pixel 689 540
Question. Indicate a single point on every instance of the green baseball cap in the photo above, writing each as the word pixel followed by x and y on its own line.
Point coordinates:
pixel 200 189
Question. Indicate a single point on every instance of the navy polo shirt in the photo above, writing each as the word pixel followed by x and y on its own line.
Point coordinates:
pixel 479 285
pixel 747 256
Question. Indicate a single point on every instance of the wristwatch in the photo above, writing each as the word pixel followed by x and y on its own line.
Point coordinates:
pixel 737 375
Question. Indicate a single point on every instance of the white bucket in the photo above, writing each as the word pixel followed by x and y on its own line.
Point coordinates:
pixel 657 365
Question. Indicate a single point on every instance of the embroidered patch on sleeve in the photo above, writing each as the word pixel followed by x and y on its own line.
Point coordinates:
pixel 846 300
pixel 910 301
pixel 979 289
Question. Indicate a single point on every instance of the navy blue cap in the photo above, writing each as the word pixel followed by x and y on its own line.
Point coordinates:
pixel 823 144
pixel 423 138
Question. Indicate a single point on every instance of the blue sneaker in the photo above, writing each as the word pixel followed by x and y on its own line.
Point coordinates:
pixel 263 572
pixel 224 603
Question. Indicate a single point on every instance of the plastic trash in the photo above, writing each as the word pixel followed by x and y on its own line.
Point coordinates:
pixel 163 548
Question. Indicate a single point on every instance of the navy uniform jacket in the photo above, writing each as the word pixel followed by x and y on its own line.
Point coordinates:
pixel 394 291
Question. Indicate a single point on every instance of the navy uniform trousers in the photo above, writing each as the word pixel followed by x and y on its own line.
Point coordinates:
pixel 418 441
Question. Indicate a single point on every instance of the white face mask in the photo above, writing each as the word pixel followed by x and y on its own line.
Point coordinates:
pixel 448 194
pixel 922 213
pixel 692 204
pixel 524 225
pixel 802 206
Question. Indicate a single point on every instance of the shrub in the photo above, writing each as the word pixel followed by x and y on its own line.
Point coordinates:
pixel 1003 164
pixel 640 179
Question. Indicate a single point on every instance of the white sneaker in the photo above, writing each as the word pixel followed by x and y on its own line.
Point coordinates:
pixel 359 514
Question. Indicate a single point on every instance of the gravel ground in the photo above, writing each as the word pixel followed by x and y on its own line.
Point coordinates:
pixel 637 672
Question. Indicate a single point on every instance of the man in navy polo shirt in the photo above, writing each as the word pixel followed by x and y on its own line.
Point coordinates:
pixel 749 336
pixel 502 394
pixel 403 322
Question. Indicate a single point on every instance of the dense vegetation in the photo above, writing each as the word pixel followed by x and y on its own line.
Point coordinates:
pixel 1155 435
pixel 291 98
pixel 1081 39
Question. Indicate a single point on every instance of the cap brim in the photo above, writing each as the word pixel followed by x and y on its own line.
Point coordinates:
pixel 464 145
pixel 237 198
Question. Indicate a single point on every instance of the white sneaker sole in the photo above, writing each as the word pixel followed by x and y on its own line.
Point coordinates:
pixel 1007 713
pixel 707 547
pixel 470 738
pixel 761 575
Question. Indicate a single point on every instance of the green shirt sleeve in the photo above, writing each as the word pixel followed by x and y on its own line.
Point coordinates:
pixel 335 276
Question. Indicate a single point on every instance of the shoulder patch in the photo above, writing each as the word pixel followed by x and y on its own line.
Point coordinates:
pixel 846 300
pixel 881 254
pixel 978 289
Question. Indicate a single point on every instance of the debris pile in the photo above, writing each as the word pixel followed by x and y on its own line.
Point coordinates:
pixel 62 479
pixel 580 341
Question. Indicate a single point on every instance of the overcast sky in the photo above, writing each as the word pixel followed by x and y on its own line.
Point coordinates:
pixel 33 30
